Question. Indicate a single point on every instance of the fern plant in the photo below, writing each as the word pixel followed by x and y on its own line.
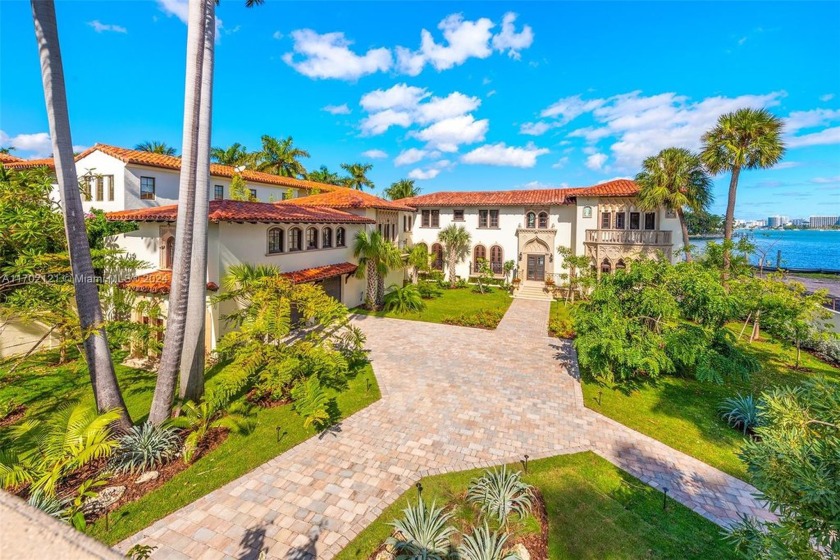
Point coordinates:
pixel 484 544
pixel 740 412
pixel 404 300
pixel 312 403
pixel 197 419
pixel 423 533
pixel 146 447
pixel 499 493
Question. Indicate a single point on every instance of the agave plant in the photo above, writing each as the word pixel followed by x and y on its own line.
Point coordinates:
pixel 740 412
pixel 499 493
pixel 484 544
pixel 199 419
pixel 50 505
pixel 146 447
pixel 422 533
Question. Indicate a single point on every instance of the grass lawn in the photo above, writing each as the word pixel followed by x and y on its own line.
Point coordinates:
pixel 42 387
pixel 682 412
pixel 595 510
pixel 452 303
pixel 560 319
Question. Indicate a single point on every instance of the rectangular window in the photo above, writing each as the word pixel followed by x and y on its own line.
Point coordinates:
pixel 435 218
pixel 147 188
pixel 606 220
pixel 425 218
pixel 457 215
pixel 219 192
pixel 650 220
pixel 110 187
pixel 253 193
pixel 430 218
pixel 634 220
pixel 100 188
pixel 620 219
pixel 488 218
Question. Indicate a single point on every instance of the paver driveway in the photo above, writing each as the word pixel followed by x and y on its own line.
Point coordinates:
pixel 452 398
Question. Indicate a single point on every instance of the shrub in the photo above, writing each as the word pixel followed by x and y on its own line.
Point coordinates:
pixel 429 290
pixel 461 283
pixel 422 533
pixel 312 403
pixel 146 447
pixel 404 300
pixel 740 412
pixel 485 319
pixel 484 544
pixel 199 419
pixel 500 493
pixel 828 348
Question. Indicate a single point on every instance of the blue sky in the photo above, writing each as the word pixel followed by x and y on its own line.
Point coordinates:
pixel 460 96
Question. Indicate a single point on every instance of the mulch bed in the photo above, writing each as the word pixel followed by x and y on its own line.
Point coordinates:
pixel 264 400
pixel 537 545
pixel 14 416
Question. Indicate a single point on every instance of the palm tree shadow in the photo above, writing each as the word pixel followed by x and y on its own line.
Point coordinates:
pixel 564 353
pixel 307 551
pixel 253 542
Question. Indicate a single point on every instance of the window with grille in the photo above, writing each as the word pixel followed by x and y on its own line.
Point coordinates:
pixel 275 240
pixel 147 188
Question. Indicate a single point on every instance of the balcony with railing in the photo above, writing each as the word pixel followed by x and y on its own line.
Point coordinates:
pixel 653 237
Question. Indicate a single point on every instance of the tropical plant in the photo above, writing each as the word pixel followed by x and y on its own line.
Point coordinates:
pixel 429 290
pixel 198 419
pixel 456 247
pixel 357 178
pixel 743 139
pixel 156 147
pixel 51 505
pixel 324 175
pixel 484 544
pixel 485 275
pixel 499 493
pixel 580 275
pixel 702 222
pixel 95 341
pixel 239 189
pixel 676 180
pixel 404 299
pixel 794 461
pixel 236 155
pixel 140 552
pixel 404 188
pixel 418 260
pixel 376 257
pixel 146 447
pixel 508 268
pixel 423 533
pixel 312 402
pixel 281 157
pixel 740 411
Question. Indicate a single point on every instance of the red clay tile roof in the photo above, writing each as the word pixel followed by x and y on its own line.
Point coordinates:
pixel 320 272
pixel 9 158
pixel 156 282
pixel 532 197
pixel 29 163
pixel 342 197
pixel 239 211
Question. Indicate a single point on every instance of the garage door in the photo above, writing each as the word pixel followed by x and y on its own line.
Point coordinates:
pixel 332 286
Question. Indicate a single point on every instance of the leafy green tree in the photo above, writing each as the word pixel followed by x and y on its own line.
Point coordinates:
pixel 580 275
pixel 156 147
pixel 358 178
pixel 418 260
pixel 743 139
pixel 675 179
pixel 235 155
pixel 795 463
pixel 324 175
pixel 456 247
pixel 485 274
pixel 239 189
pixel 281 157
pixel 404 188
pixel 702 222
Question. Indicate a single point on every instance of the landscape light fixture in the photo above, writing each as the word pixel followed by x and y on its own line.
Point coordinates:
pixel 665 498
pixel 526 463
pixel 278 428
pixel 419 489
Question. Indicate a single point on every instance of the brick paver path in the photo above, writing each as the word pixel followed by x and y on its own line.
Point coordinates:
pixel 452 398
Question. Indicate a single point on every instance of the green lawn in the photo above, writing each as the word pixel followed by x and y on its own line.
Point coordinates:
pixel 683 412
pixel 452 303
pixel 595 510
pixel 560 320
pixel 43 387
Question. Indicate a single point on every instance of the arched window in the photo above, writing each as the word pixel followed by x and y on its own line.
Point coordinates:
pixel 620 265
pixel 497 259
pixel 312 238
pixel 339 237
pixel 425 247
pixel 543 219
pixel 606 267
pixel 530 220
pixel 437 257
pixel 295 239
pixel 479 254
pixel 326 238
pixel 275 240
pixel 169 252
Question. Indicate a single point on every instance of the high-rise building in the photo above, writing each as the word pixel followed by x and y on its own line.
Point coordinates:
pixel 777 221
pixel 824 221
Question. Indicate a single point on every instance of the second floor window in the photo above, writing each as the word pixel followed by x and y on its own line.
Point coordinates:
pixel 219 192
pixel 275 240
pixel 253 193
pixel 312 238
pixel 147 188
pixel 634 220
pixel 326 238
pixel 457 215
pixel 339 237
pixel 620 219
pixel 295 239
pixel 430 218
pixel 488 218
pixel 543 219
pixel 650 220
pixel 606 220
pixel 530 220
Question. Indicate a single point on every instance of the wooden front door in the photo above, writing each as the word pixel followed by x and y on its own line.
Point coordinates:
pixel 536 268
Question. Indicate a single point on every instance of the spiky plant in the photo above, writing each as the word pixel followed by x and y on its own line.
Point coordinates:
pixel 740 411
pixel 404 300
pixel 199 419
pixel 146 447
pixel 484 544
pixel 423 533
pixel 50 505
pixel 500 493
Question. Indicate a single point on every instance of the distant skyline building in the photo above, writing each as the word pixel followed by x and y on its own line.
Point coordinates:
pixel 824 221
pixel 777 221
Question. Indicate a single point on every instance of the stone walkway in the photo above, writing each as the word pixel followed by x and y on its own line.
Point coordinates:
pixel 453 398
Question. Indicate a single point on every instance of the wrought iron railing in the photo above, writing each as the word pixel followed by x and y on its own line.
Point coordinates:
pixel 629 237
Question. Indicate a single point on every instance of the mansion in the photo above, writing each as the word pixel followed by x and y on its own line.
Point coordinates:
pixel 307 229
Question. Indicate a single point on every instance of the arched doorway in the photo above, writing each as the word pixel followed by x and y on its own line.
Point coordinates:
pixel 437 257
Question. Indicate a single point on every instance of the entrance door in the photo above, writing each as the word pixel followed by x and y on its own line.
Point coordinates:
pixel 536 268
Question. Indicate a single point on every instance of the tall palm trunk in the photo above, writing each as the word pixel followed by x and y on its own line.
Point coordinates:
pixel 170 359
pixel 370 274
pixel 380 289
pixel 452 263
pixel 192 354
pixel 684 228
pixel 729 223
pixel 97 354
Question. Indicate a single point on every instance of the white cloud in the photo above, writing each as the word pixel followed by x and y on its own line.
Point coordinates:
pixel 32 146
pixel 423 174
pixel 568 108
pixel 535 128
pixel 561 163
pixel 379 123
pixel 337 109
pixel 821 138
pixel 826 180
pixel 100 27
pixel 503 155
pixel 799 120
pixel 786 165
pixel 400 96
pixel 827 97
pixel 440 108
pixel 511 41
pixel 448 134
pixel 277 35
pixel 329 56
pixel 375 154
pixel 411 155
pixel 177 8
pixel 596 161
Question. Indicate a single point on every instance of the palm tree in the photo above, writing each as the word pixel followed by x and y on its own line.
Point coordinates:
pixel 281 157
pixel 404 188
pixel 358 175
pixel 366 248
pixel 675 179
pixel 155 147
pixel 745 139
pixel 456 245
pixel 390 258
pixel 324 175
pixel 97 353
pixel 236 155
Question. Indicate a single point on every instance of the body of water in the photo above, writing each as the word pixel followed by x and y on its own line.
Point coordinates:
pixel 800 248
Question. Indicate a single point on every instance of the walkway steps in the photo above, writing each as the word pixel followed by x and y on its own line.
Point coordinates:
pixel 536 293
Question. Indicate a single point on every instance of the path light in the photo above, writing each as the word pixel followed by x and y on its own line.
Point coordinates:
pixel 600 393
pixel 419 490
pixel 526 463
pixel 665 499
pixel 278 428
